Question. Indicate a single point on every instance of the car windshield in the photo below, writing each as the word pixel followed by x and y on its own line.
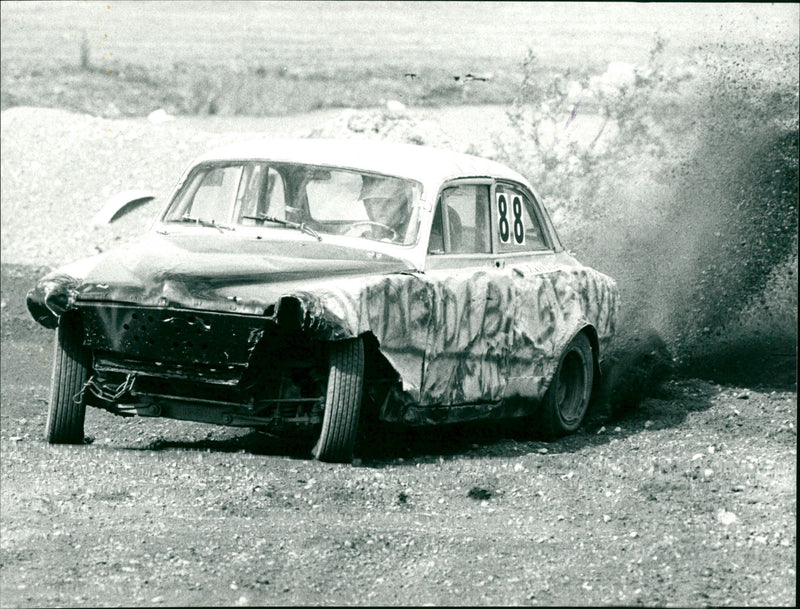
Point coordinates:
pixel 315 200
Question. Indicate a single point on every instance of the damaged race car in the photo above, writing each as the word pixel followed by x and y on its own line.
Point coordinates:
pixel 303 285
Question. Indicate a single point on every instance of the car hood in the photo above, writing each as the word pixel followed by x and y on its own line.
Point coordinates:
pixel 204 271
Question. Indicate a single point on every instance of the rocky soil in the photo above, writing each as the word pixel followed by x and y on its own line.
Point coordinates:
pixel 690 500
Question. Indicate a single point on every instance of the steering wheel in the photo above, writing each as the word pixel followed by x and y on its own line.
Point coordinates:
pixel 389 229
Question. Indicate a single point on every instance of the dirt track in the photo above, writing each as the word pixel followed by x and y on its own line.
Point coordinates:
pixel 690 500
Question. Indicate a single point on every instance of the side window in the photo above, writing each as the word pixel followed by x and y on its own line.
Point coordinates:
pixel 461 221
pixel 516 226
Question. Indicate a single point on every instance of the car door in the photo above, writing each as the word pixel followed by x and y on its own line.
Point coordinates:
pixel 543 295
pixel 467 335
pixel 491 315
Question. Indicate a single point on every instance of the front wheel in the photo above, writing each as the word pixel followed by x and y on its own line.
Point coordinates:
pixel 71 364
pixel 342 402
pixel 567 398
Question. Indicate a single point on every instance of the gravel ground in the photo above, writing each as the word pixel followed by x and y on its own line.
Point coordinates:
pixel 688 501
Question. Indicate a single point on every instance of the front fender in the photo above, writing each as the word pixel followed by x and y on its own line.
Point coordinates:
pixel 52 296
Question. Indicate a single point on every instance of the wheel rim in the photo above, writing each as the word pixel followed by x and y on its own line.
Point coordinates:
pixel 571 387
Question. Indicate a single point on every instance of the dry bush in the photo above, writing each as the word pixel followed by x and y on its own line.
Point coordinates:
pixel 632 104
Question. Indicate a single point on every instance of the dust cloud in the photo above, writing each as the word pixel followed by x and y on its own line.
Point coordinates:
pixel 704 247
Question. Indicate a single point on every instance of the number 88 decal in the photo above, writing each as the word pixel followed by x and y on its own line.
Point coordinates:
pixel 508 226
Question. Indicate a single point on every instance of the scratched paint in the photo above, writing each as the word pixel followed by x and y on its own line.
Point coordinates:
pixel 455 337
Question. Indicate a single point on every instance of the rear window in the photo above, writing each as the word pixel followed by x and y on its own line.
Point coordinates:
pixel 516 225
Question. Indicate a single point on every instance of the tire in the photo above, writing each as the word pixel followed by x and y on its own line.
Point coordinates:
pixel 342 402
pixel 567 399
pixel 71 365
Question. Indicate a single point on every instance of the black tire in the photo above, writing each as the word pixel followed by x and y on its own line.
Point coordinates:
pixel 342 402
pixel 71 365
pixel 567 399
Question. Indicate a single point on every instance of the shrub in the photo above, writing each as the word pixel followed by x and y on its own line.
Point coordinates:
pixel 573 170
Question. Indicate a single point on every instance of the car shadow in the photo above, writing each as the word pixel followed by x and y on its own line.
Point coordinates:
pixel 668 407
pixel 385 445
pixel 390 445
pixel 253 442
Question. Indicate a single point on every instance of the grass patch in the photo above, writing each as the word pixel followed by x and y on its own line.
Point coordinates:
pixel 251 89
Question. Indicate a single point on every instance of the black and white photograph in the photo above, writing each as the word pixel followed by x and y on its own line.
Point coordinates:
pixel 414 303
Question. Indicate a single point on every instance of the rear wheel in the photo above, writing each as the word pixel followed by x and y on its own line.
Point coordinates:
pixel 71 364
pixel 342 402
pixel 567 398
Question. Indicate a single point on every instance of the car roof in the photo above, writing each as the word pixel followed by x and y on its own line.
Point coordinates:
pixel 423 163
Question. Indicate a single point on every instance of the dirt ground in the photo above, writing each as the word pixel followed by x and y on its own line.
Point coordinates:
pixel 690 500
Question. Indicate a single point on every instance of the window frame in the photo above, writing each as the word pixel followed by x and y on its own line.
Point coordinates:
pixel 297 193
pixel 488 182
pixel 537 214
pixel 263 190
pixel 535 209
